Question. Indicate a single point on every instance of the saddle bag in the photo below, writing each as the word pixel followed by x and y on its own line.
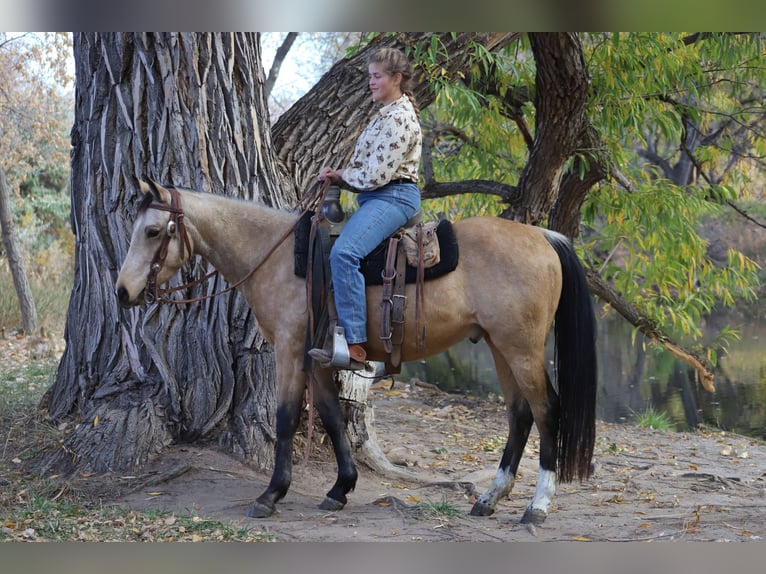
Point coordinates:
pixel 421 241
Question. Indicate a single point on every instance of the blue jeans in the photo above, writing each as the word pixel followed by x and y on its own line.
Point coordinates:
pixel 381 212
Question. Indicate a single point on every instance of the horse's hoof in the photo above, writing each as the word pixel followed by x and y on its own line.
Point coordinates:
pixel 331 504
pixel 482 509
pixel 534 516
pixel 260 510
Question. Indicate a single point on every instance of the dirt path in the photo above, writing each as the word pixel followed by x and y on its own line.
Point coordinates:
pixel 648 485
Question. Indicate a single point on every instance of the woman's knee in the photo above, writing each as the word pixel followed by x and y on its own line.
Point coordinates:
pixel 342 253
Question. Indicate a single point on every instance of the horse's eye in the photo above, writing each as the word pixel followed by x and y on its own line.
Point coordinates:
pixel 152 232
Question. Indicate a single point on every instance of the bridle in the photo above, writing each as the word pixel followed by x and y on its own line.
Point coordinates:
pixel 176 225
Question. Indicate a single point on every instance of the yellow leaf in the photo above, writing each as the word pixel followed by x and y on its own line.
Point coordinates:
pixel 581 538
pixel 412 498
pixel 95 421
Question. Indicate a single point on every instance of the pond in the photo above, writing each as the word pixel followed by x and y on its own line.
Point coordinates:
pixel 634 376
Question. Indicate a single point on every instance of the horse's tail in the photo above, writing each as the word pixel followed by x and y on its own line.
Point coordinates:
pixel 575 353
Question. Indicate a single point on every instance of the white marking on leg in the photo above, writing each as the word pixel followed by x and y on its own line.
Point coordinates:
pixel 501 486
pixel 546 489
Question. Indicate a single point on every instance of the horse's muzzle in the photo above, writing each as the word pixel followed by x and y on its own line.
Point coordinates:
pixel 123 297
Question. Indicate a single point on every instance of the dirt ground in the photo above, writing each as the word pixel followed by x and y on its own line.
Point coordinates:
pixel 648 485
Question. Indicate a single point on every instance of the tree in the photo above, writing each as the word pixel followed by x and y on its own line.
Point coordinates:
pixel 183 108
pixel 15 260
pixel 31 124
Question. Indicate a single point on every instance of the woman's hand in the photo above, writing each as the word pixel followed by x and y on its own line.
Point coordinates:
pixel 329 173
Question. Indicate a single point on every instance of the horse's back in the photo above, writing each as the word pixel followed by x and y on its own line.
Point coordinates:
pixel 506 285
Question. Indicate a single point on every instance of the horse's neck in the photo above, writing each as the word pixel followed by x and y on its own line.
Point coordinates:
pixel 233 235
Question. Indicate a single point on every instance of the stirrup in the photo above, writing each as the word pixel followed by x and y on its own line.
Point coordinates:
pixel 339 357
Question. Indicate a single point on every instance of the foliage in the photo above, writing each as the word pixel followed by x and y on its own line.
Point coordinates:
pixel 680 118
pixel 473 136
pixel 647 243
pixel 35 117
pixel 36 106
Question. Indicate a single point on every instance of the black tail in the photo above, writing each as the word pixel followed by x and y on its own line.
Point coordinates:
pixel 575 350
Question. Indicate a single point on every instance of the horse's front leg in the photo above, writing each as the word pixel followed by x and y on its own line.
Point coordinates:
pixel 328 405
pixel 291 384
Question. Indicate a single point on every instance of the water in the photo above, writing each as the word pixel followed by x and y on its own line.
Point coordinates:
pixel 634 376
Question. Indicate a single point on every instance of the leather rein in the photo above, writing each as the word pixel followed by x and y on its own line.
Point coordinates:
pixel 176 225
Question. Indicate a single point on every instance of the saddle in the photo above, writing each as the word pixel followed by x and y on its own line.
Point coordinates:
pixel 414 254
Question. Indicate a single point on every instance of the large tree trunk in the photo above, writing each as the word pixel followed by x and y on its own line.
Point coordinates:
pixel 15 260
pixel 561 89
pixel 185 109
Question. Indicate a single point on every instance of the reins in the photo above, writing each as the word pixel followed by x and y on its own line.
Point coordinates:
pixel 176 224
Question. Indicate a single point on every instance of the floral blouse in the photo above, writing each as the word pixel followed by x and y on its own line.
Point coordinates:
pixel 389 148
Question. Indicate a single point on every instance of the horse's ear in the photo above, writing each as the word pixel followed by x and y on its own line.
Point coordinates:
pixel 143 187
pixel 160 194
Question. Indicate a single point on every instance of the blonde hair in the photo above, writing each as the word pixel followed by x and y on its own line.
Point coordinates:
pixel 394 61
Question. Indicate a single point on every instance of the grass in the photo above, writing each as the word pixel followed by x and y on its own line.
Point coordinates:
pixel 442 509
pixel 654 419
pixel 25 385
pixel 50 288
pixel 46 518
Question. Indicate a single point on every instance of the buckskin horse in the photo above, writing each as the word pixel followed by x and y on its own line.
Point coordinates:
pixel 513 281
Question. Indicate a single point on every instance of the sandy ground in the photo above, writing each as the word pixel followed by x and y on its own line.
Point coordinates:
pixel 648 485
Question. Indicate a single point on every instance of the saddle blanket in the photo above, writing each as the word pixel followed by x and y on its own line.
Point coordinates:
pixel 372 266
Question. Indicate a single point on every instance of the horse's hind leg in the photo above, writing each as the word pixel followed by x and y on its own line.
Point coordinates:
pixel 546 416
pixel 520 420
pixel 328 405
pixel 520 423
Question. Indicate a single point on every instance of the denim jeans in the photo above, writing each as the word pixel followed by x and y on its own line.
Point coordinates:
pixel 381 212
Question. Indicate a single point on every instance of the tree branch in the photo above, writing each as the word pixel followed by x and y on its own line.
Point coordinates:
pixel 701 365
pixel 434 189
pixel 279 59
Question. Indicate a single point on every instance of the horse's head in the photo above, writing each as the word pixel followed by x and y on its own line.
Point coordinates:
pixel 159 245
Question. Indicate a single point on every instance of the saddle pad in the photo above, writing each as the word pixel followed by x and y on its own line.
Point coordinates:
pixel 372 265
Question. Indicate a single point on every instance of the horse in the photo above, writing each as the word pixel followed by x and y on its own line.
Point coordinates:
pixel 513 281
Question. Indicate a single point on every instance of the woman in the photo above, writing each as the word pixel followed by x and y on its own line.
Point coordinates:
pixel 384 171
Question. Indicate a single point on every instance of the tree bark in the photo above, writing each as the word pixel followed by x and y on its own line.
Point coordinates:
pixel 15 260
pixel 186 109
pixel 561 89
